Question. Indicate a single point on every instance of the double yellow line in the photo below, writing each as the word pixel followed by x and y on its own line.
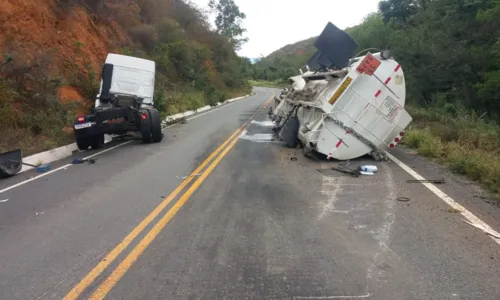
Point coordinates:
pixel 122 268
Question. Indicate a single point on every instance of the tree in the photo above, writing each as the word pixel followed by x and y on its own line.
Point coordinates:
pixel 228 21
pixel 398 10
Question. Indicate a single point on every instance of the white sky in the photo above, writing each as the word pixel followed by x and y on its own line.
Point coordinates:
pixel 272 24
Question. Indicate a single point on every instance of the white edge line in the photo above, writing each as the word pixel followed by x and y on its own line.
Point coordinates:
pixel 108 149
pixel 34 178
pixel 100 152
pixel 212 110
pixel 66 151
pixel 333 297
pixel 464 212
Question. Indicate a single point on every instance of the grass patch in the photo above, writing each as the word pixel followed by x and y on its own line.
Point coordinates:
pixel 173 102
pixel 33 122
pixel 466 145
pixel 239 93
pixel 265 83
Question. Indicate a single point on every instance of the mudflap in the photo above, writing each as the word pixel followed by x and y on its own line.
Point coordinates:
pixel 10 163
pixel 290 131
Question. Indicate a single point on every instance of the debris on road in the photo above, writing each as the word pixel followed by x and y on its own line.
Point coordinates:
pixel 403 199
pixel 3 201
pixel 437 181
pixel 77 161
pixel 11 163
pixel 369 168
pixel 353 172
pixel 366 173
pixel 184 177
pixel 453 210
pixel 41 168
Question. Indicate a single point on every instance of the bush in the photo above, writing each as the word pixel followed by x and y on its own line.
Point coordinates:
pixel 468 147
pixel 423 140
pixel 145 35
pixel 214 96
pixel 169 31
pixel 87 83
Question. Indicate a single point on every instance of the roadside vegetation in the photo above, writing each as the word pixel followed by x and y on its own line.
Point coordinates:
pixel 197 65
pixel 467 145
pixel 267 83
pixel 450 53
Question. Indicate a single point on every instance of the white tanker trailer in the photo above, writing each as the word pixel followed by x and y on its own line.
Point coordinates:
pixel 347 107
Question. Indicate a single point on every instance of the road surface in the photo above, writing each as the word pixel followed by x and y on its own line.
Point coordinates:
pixel 220 210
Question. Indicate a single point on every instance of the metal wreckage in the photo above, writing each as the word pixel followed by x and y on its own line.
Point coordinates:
pixel 343 106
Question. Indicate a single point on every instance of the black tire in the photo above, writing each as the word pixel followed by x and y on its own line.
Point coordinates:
pixel 145 128
pixel 82 142
pixel 290 131
pixel 96 141
pixel 156 134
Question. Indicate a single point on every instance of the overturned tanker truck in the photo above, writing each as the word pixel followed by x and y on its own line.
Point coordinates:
pixel 343 106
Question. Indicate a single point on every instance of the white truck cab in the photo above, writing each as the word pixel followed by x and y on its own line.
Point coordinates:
pixel 124 103
pixel 130 76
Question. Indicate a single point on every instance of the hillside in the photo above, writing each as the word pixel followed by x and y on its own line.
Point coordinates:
pixel 296 49
pixel 285 61
pixel 52 52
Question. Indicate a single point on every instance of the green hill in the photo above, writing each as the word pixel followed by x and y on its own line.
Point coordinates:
pixel 285 61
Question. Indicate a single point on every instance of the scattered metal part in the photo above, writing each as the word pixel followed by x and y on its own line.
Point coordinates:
pixel 184 177
pixel 77 161
pixel 40 168
pixel 403 199
pixel 437 181
pixel 354 173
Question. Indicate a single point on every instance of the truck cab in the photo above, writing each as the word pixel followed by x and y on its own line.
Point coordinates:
pixel 124 103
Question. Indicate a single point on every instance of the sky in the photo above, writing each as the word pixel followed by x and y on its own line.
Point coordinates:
pixel 272 24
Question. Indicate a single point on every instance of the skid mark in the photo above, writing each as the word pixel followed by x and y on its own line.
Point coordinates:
pixel 370 210
pixel 379 267
pixel 330 187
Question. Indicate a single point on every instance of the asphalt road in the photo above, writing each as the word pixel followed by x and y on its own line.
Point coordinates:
pixel 256 221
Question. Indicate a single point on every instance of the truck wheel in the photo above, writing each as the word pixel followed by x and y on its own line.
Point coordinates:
pixel 82 142
pixel 156 133
pixel 96 141
pixel 145 128
pixel 290 131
